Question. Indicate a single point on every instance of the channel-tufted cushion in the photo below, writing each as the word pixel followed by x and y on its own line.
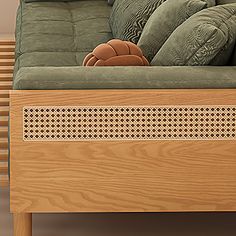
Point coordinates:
pixel 60 33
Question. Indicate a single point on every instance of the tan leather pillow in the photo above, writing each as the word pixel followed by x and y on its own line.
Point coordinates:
pixel 116 53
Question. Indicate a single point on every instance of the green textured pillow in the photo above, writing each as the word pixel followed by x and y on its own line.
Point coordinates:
pixel 221 2
pixel 165 20
pixel 206 38
pixel 128 17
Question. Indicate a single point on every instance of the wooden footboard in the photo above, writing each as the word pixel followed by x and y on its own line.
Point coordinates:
pixel 123 151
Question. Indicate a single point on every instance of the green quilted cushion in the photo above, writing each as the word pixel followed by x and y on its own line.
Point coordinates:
pixel 206 38
pixel 165 20
pixel 128 17
pixel 60 33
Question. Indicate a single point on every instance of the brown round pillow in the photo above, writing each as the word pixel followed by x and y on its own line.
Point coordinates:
pixel 116 53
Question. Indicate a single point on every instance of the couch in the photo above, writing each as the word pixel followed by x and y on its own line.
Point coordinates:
pixel 113 139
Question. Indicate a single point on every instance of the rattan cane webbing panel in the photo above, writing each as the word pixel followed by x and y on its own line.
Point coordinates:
pixel 80 123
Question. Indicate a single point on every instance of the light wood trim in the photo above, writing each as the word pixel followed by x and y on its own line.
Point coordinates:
pixel 126 97
pixel 121 176
pixel 22 224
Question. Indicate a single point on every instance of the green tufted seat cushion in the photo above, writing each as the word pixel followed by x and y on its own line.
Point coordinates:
pixel 60 33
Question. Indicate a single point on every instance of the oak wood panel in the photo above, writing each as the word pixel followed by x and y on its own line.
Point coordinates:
pixel 121 176
pixel 125 97
pixel 22 224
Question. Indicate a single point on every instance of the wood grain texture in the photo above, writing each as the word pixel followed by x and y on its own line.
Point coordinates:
pixel 3 155
pixel 4 181
pixel 22 224
pixel 4 110
pixel 7 47
pixel 121 176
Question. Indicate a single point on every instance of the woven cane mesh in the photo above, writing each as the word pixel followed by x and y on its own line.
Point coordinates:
pixel 128 123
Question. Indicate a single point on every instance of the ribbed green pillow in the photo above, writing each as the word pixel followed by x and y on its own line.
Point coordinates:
pixel 165 20
pixel 128 17
pixel 206 38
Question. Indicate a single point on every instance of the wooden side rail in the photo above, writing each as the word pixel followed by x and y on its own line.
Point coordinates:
pixel 60 163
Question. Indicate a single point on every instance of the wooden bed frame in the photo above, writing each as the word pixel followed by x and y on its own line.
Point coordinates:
pixel 187 163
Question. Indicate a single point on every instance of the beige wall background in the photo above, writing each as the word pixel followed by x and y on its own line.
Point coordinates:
pixel 7 17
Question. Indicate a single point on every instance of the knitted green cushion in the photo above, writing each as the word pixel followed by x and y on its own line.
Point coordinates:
pixel 128 17
pixel 206 38
pixel 165 20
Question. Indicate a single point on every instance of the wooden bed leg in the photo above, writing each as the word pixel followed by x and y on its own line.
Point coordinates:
pixel 22 224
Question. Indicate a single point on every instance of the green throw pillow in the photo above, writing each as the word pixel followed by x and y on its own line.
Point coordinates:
pixel 128 17
pixel 221 2
pixel 206 38
pixel 165 20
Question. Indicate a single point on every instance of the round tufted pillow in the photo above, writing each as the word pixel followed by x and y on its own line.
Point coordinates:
pixel 116 53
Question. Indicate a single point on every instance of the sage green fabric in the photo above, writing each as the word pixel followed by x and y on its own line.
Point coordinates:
pixel 221 2
pixel 128 17
pixel 165 20
pixel 233 58
pixel 60 34
pixel 155 77
pixel 111 2
pixel 206 38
